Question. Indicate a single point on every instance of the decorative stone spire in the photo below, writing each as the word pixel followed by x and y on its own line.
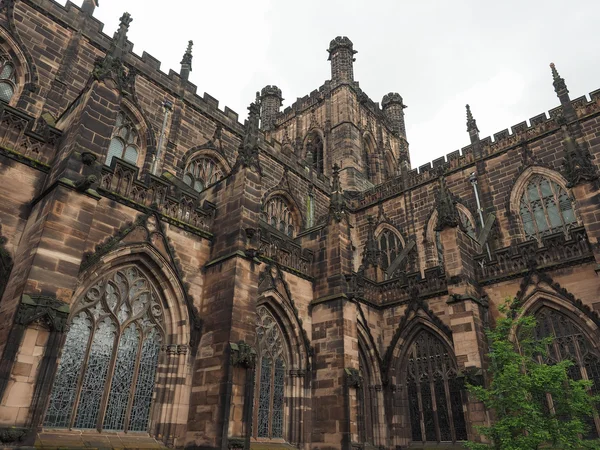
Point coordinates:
pixel 393 108
pixel 577 166
pixel 270 98
pixel 446 208
pixel 186 62
pixel 89 6
pixel 337 206
pixel 472 126
pixel 560 87
pixel 371 254
pixel 248 150
pixel 111 66
pixel 341 55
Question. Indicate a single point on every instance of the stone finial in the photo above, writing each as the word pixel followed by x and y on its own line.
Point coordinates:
pixel 119 43
pixel 248 150
pixel 371 254
pixel 337 205
pixel 393 108
pixel 560 87
pixel 472 126
pixel 186 62
pixel 341 54
pixel 577 166
pixel 271 99
pixel 446 208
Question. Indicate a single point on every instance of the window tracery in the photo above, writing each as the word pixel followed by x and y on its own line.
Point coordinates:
pixel 314 151
pixel 434 393
pixel 8 79
pixel 271 366
pixel 201 172
pixel 569 342
pixel 545 208
pixel 96 387
pixel 125 141
pixel 466 224
pixel 278 214
pixel 390 246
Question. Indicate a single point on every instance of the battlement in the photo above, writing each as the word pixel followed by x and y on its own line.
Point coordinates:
pixel 519 134
pixel 71 16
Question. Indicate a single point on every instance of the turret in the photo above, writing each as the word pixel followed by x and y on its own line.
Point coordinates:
pixel 393 108
pixel 341 55
pixel 271 99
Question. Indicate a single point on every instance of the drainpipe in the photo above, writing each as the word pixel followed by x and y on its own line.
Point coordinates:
pixel 167 107
pixel 473 180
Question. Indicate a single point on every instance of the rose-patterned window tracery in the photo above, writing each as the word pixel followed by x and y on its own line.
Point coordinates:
pixel 105 378
pixel 434 392
pixel 270 377
pixel 125 141
pixel 201 172
pixel 277 213
pixel 8 79
pixel 545 208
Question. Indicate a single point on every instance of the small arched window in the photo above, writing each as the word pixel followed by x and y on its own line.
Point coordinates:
pixel 125 141
pixel 545 208
pixel 105 379
pixel 314 151
pixel 270 378
pixel 8 79
pixel 278 214
pixel 202 172
pixel 434 392
pixel 390 247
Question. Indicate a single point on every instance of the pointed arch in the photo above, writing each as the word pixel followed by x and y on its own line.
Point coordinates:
pixel 24 75
pixel 390 243
pixel 203 166
pixel 543 203
pixel 371 158
pixel 391 168
pixel 280 210
pixel 425 373
pixel 146 132
pixel 314 149
pixel 127 317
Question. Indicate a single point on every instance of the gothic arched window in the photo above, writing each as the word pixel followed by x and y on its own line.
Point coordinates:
pixel 278 214
pixel 270 377
pixel 105 379
pixel 570 342
pixel 466 224
pixel 390 246
pixel 545 208
pixel 8 79
pixel 365 402
pixel 125 141
pixel 434 392
pixel 314 151
pixel 201 172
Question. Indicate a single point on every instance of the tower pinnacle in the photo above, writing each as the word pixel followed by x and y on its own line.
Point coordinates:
pixel 186 62
pixel 341 55
pixel 560 87
pixel 472 126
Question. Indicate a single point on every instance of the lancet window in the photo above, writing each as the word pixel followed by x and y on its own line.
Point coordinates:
pixel 314 151
pixel 270 378
pixel 570 342
pixel 434 392
pixel 201 172
pixel 545 208
pixel 106 375
pixel 8 79
pixel 277 213
pixel 125 141
pixel 390 247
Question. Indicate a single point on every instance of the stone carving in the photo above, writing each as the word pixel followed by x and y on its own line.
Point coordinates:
pixel 242 355
pixel 353 378
pixel 446 208
pixel 49 311
pixel 248 150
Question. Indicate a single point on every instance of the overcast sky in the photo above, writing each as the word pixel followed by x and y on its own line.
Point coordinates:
pixel 439 55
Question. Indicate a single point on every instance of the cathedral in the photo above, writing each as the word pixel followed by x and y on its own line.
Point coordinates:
pixel 175 275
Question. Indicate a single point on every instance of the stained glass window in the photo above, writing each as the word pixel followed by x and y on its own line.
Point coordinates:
pixel 8 80
pixel 278 214
pixel 545 208
pixel 125 141
pixel 314 151
pixel 570 342
pixel 105 378
pixel 434 393
pixel 269 419
pixel 201 172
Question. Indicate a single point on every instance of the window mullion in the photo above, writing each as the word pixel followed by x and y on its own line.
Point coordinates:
pixel 109 379
pixel 134 381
